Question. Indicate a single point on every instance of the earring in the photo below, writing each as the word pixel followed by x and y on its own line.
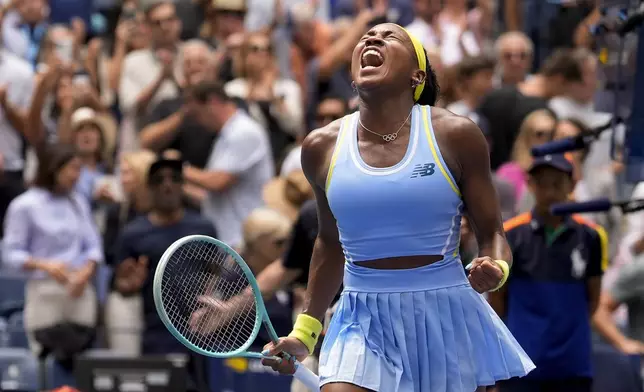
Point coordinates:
pixel 353 86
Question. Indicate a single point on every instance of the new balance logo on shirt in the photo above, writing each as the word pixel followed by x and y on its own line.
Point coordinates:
pixel 423 170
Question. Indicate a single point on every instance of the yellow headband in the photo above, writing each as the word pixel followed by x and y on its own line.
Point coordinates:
pixel 422 64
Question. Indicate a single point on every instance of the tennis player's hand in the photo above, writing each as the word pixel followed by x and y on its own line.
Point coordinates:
pixel 292 346
pixel 485 274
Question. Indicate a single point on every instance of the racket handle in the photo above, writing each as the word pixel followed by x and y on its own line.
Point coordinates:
pixel 307 377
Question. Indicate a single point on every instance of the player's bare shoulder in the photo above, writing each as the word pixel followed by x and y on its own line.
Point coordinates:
pixel 317 149
pixel 459 139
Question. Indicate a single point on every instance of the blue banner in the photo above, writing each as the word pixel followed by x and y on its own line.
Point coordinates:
pixel 245 375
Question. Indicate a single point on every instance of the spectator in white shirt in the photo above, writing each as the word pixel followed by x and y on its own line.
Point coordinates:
pixel 473 83
pixel 239 166
pixel 150 75
pixel 424 25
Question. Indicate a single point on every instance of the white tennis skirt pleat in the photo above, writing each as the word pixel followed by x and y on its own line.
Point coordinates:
pixel 434 340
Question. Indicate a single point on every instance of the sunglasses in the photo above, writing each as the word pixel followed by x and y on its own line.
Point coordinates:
pixel 239 14
pixel 511 55
pixel 543 133
pixel 280 242
pixel 161 22
pixel 257 48
pixel 327 117
pixel 159 178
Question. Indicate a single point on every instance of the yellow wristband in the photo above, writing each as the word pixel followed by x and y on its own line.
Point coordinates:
pixel 506 272
pixel 307 330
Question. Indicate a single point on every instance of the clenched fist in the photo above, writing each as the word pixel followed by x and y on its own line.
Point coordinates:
pixel 484 274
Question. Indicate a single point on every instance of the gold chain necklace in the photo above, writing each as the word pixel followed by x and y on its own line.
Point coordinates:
pixel 389 137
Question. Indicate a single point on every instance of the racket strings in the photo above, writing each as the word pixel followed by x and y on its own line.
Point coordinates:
pixel 202 268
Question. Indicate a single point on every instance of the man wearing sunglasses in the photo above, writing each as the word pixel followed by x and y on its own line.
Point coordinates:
pixel 143 242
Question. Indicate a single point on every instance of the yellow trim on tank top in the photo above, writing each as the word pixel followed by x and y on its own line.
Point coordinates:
pixel 336 151
pixel 437 160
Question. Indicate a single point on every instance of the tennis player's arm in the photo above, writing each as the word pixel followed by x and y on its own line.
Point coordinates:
pixel 478 191
pixel 327 261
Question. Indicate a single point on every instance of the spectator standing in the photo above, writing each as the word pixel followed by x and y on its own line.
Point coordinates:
pixel 329 109
pixel 150 75
pixel 555 284
pixel 94 137
pixel 51 234
pixel 168 125
pixel 474 82
pixel 124 314
pixel 505 109
pixel 274 102
pixel 425 25
pixel 24 28
pixel 16 88
pixel 239 166
pixel 537 128
pixel 329 73
pixel 311 38
pixel 514 52
pixel 627 289
pixel 463 31
pixel 141 245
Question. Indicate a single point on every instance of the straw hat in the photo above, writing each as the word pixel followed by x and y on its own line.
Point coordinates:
pixel 287 194
pixel 229 5
pixel 105 124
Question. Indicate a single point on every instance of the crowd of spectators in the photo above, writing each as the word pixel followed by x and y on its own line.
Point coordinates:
pixel 128 124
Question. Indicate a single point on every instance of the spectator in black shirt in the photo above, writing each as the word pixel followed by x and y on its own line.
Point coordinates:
pixel 506 108
pixel 143 242
pixel 123 314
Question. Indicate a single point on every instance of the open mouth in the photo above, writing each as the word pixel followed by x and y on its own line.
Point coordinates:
pixel 371 58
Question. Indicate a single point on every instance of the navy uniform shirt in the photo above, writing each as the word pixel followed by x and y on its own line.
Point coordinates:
pixel 548 304
pixel 143 238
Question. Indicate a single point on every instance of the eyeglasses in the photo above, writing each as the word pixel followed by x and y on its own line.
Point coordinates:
pixel 159 178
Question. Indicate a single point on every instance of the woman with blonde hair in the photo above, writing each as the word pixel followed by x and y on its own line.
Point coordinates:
pixel 266 233
pixel 537 128
pixel 123 315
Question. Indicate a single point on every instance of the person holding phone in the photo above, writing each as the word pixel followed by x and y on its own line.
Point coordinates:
pixel 24 27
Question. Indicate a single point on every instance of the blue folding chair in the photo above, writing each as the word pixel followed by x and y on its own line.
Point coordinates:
pixel 18 370
pixel 12 293
pixel 12 286
pixel 4 333
pixel 17 335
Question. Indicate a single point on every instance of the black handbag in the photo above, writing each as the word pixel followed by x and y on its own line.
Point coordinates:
pixel 64 341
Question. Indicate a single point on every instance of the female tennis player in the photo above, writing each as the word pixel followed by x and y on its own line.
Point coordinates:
pixel 391 183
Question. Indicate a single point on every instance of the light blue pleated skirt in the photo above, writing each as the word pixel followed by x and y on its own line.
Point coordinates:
pixel 417 330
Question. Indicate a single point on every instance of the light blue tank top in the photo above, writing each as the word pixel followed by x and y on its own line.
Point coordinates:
pixel 410 209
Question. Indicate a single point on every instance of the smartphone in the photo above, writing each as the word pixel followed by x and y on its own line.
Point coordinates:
pixel 65 50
